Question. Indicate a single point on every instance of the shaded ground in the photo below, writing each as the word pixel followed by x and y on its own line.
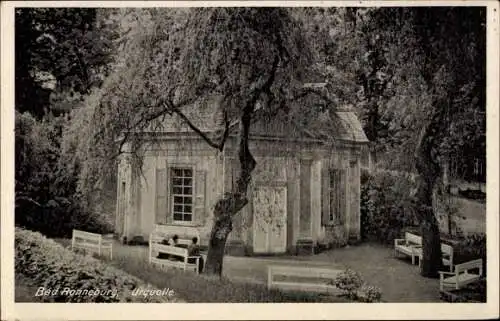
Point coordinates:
pixel 397 278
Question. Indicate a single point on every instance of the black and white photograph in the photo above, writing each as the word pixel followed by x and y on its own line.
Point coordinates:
pixel 281 152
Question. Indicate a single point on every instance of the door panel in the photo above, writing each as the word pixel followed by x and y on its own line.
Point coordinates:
pixel 269 203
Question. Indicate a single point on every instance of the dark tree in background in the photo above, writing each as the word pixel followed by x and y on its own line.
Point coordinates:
pixel 420 77
pixel 59 50
pixel 60 55
pixel 453 46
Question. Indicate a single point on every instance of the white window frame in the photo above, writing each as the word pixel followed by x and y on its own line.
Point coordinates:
pixel 173 195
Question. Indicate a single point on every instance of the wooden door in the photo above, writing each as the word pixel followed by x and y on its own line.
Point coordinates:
pixel 269 210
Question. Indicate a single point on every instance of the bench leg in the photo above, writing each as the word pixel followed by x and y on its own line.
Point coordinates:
pixel 413 260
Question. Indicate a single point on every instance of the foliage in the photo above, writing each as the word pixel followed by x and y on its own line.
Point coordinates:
pixel 395 69
pixel 386 205
pixel 24 289
pixel 47 264
pixel 473 292
pixel 368 294
pixel 44 186
pixel 60 52
pixel 447 209
pixel 348 281
pixel 351 283
pixel 337 47
pixel 473 194
pixel 173 58
pixel 471 247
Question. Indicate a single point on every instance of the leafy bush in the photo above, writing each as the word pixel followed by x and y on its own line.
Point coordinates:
pixel 471 247
pixel 48 264
pixel 45 186
pixel 448 213
pixel 348 281
pixel 368 293
pixel 59 218
pixel 353 286
pixel 473 194
pixel 386 205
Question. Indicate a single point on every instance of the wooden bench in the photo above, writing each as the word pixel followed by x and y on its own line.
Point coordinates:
pixel 162 233
pixel 461 275
pixel 95 243
pixel 409 246
pixel 446 252
pixel 308 279
pixel 174 252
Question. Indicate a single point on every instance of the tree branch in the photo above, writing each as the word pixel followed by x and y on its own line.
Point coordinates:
pixel 28 199
pixel 306 91
pixel 225 135
pixel 142 120
pixel 195 129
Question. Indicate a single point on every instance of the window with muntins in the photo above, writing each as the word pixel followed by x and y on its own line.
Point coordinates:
pixel 182 194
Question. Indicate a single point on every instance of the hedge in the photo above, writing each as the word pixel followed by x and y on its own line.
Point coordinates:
pixel 59 217
pixel 385 205
pixel 49 265
pixel 469 248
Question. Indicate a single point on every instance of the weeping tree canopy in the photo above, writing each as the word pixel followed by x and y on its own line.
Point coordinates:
pixel 171 58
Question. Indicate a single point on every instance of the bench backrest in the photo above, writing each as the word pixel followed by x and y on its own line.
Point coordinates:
pixel 412 238
pixel 185 233
pixel 447 250
pixel 77 234
pixel 306 272
pixel 474 264
pixel 158 237
pixel 173 250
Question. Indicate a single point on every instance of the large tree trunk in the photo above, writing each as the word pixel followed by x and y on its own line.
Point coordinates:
pixel 236 200
pixel 429 169
pixel 218 237
pixel 233 201
pixel 431 242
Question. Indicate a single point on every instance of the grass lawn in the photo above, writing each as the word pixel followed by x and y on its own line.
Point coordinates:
pixel 472 215
pixel 245 277
pixel 201 288
pixel 399 280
